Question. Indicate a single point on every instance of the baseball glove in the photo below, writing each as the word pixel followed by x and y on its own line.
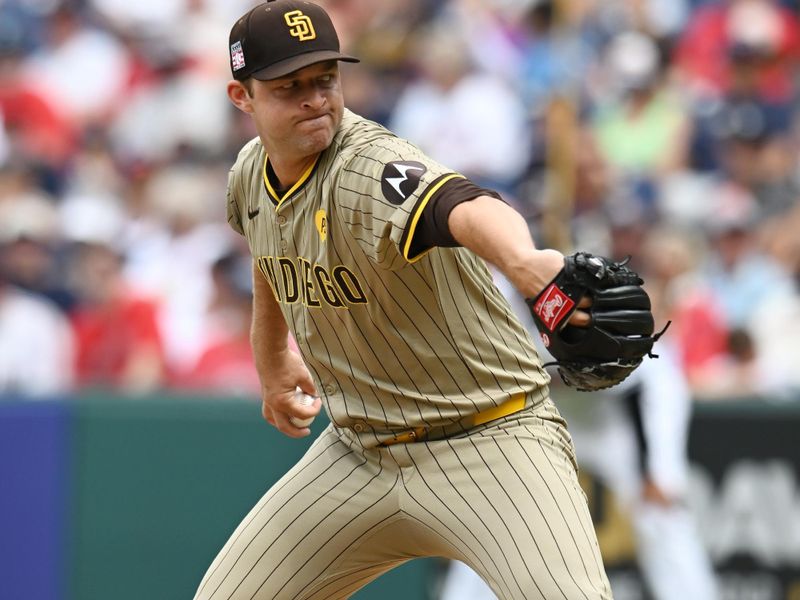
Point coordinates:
pixel 620 334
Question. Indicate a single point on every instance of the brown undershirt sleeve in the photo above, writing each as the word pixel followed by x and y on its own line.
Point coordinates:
pixel 432 229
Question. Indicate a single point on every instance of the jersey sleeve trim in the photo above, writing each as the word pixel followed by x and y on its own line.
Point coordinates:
pixel 408 235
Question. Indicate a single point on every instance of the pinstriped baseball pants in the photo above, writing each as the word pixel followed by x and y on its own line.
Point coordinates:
pixel 503 498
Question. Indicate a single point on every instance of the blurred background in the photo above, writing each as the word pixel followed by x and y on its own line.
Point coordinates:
pixel 130 439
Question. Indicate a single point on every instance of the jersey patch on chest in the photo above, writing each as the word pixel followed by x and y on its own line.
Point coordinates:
pixel 321 221
pixel 400 179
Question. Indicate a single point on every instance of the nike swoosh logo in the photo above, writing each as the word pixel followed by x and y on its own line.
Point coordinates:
pixel 253 213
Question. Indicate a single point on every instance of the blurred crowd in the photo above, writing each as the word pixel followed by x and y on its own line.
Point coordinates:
pixel 661 129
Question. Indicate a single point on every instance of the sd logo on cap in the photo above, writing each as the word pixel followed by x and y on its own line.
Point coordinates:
pixel 278 37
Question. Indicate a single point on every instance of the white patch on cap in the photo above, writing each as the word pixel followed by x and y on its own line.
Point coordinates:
pixel 237 56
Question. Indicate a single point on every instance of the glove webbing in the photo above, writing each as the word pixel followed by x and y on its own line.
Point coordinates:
pixel 576 364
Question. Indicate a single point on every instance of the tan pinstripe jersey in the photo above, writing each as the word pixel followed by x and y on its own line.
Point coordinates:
pixel 393 340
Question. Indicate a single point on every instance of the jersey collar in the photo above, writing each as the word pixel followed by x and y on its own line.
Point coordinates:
pixel 277 199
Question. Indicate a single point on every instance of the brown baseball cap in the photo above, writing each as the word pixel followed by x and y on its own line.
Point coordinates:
pixel 281 36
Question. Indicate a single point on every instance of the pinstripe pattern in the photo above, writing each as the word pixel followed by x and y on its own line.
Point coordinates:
pixel 504 498
pixel 395 342
pixel 432 341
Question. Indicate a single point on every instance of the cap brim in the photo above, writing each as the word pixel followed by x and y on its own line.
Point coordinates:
pixel 290 65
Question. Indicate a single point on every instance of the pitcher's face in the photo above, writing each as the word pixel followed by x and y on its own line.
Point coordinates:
pixel 297 115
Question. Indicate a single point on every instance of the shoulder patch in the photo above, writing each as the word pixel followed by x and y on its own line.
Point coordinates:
pixel 400 179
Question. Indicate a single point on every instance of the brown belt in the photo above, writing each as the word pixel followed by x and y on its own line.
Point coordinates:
pixel 514 404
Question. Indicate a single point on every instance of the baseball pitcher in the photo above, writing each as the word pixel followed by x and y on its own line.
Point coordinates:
pixel 443 440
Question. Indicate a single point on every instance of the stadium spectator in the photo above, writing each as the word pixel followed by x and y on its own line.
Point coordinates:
pixel 763 29
pixel 36 346
pixel 672 261
pixel 225 363
pixel 741 274
pixel 118 342
pixel 642 130
pixel 33 128
pixel 468 119
pixel 82 67
pixel 746 134
pixel 171 248
pixel 31 236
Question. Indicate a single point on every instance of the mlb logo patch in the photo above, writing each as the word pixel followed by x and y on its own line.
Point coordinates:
pixel 237 56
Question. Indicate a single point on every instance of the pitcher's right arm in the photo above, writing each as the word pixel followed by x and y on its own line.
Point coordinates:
pixel 280 369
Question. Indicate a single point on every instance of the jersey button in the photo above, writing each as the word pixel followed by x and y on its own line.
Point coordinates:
pixel 284 244
pixel 358 427
pixel 281 220
pixel 330 389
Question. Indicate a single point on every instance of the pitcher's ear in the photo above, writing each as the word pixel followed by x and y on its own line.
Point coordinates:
pixel 239 94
